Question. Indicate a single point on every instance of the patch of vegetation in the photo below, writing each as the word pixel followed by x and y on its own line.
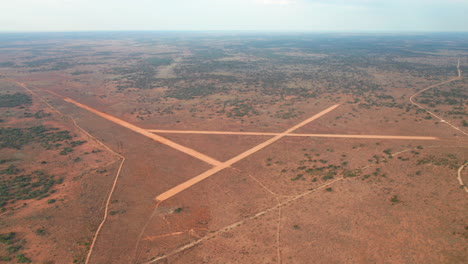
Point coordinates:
pixel 66 150
pixel 41 114
pixel 190 92
pixel 288 114
pixel 239 108
pixel 40 232
pixel 81 72
pixel 7 64
pixel 13 245
pixel 14 100
pixel 14 249
pixel 156 62
pixel 395 199
pixel 11 170
pixel 298 177
pixel 22 258
pixel 328 176
pixel 77 143
pixel 117 212
pixel 351 173
pixel 16 138
pixel 26 186
pixel 451 161
pixel 7 238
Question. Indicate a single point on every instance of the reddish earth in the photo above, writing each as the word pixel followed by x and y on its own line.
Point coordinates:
pixel 349 184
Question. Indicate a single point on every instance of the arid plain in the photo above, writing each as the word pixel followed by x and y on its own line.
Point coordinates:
pixel 230 148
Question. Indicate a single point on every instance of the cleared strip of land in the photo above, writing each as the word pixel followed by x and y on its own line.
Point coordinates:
pixel 364 136
pixel 144 132
pixel 289 135
pixel 181 187
pixel 459 176
pixel 212 132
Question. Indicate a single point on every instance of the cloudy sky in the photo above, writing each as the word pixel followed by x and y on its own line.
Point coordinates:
pixel 282 15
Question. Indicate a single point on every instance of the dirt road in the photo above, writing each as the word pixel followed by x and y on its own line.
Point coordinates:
pixel 181 187
pixel 289 135
pixel 459 177
pixel 117 175
pixel 459 77
pixel 144 132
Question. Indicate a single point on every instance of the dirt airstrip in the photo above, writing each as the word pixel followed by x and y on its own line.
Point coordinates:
pixel 217 168
pixel 230 177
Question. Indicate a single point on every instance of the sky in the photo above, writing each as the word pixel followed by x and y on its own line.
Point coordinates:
pixel 258 15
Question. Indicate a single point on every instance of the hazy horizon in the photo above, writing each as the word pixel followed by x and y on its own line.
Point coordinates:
pixel 241 15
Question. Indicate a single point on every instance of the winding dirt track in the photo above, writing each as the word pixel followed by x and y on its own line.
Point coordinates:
pixel 179 188
pixel 144 132
pixel 289 135
pixel 459 177
pixel 459 77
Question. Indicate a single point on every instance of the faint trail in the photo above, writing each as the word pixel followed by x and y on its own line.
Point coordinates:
pixel 289 135
pixel 190 232
pixel 433 86
pixel 257 181
pixel 365 136
pixel 240 222
pixel 278 228
pixel 460 179
pixel 278 235
pixel 181 187
pixel 165 235
pixel 144 132
pixel 106 214
pixel 143 230
pixel 116 178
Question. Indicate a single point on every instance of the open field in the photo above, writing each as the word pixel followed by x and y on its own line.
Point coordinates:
pixel 272 149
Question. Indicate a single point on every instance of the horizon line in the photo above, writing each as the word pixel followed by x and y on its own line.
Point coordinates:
pixel 232 30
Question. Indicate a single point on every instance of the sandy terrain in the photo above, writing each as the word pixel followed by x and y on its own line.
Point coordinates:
pixel 379 179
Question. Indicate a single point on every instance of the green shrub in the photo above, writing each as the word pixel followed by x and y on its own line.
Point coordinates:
pixel 7 238
pixel 14 249
pixel 13 100
pixel 23 259
pixel 40 232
